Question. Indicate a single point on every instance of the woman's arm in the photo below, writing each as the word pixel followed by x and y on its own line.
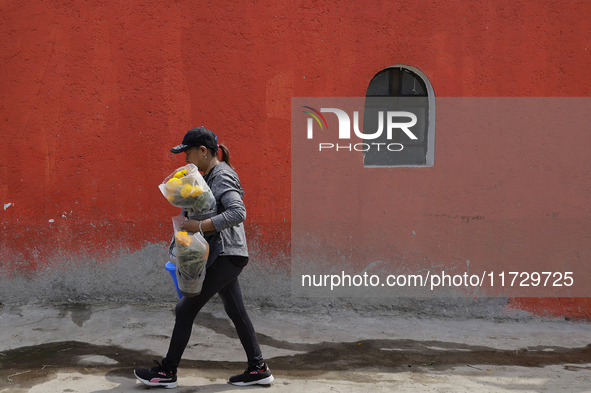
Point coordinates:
pixel 234 213
pixel 193 225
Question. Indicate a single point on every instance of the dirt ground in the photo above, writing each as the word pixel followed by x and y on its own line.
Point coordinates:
pixel 95 347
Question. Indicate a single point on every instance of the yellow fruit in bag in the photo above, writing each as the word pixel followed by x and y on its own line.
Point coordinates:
pixel 173 184
pixel 180 174
pixel 186 190
pixel 197 190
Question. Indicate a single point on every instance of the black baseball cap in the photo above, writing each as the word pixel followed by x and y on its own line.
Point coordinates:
pixel 196 137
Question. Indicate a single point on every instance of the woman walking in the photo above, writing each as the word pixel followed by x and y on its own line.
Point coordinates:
pixel 228 255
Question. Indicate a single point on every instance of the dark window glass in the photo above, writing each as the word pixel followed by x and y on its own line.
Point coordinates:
pixel 397 89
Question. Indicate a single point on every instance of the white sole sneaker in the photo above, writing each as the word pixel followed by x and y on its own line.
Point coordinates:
pixel 264 381
pixel 166 385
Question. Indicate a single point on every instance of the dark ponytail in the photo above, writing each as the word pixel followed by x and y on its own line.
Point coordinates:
pixel 225 154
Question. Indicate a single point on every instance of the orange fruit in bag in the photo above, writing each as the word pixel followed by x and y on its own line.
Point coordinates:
pixel 183 238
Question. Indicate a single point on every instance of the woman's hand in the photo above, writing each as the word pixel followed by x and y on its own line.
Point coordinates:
pixel 190 225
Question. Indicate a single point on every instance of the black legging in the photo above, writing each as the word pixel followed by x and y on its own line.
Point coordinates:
pixel 222 278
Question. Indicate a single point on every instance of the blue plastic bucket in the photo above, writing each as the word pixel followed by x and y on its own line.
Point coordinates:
pixel 171 268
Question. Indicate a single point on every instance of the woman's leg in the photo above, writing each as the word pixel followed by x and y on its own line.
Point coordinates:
pixel 218 275
pixel 234 306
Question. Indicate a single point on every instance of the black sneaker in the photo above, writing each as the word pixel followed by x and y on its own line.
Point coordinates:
pixel 156 376
pixel 258 375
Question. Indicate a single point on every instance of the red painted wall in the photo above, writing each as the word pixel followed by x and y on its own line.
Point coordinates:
pixel 94 93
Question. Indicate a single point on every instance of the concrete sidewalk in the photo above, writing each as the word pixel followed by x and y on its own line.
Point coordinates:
pixel 94 348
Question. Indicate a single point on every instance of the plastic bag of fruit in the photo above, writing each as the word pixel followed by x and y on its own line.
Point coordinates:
pixel 186 188
pixel 192 252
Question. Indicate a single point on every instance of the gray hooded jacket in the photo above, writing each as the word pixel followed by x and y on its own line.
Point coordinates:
pixel 229 237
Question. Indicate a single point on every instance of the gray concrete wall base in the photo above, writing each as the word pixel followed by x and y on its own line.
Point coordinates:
pixel 140 276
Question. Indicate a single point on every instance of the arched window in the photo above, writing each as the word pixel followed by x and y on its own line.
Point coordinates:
pixel 407 91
